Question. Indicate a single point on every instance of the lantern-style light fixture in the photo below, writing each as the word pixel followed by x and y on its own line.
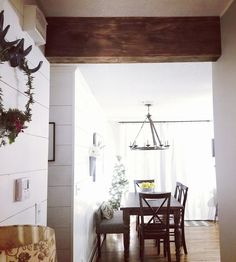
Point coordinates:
pixel 156 142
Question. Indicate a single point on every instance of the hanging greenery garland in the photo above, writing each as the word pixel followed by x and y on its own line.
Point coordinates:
pixel 13 121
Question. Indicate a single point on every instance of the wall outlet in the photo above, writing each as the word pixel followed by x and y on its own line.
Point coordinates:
pixel 37 213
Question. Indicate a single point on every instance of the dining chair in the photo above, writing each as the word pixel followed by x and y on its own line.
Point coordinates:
pixel 137 189
pixel 155 206
pixel 181 193
pixel 115 225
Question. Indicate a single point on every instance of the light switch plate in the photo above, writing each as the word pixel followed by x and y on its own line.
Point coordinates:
pixel 22 189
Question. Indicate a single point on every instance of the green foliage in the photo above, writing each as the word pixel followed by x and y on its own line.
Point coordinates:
pixel 13 120
pixel 119 184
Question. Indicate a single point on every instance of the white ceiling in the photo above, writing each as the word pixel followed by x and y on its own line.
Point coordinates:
pixel 179 91
pixel 134 7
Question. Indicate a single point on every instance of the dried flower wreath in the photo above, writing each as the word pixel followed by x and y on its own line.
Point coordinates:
pixel 12 121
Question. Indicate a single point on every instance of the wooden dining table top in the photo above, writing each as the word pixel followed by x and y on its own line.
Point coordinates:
pixel 130 202
pixel 130 206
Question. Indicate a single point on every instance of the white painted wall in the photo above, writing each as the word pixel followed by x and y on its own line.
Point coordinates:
pixel 89 194
pixel 60 172
pixel 224 95
pixel 27 157
pixel 73 195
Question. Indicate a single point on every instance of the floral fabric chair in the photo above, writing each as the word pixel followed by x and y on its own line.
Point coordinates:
pixel 27 243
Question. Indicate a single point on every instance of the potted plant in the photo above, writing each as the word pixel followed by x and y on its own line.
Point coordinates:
pixel 119 184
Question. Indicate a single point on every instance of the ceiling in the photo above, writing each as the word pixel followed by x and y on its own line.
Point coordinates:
pixel 88 8
pixel 178 91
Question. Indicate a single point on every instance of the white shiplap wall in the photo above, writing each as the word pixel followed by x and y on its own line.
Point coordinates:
pixel 60 173
pixel 27 157
pixel 72 195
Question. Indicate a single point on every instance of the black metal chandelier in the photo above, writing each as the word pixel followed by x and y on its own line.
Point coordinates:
pixel 156 142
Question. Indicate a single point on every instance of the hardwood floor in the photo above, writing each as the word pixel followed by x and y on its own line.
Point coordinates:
pixel 202 244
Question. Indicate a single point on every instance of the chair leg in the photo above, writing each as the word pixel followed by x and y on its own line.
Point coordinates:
pixel 183 240
pixel 99 244
pixel 137 222
pixel 126 244
pixel 168 250
pixel 141 248
pixel 158 245
pixel 164 247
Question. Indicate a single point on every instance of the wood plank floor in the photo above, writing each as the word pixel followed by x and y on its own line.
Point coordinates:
pixel 202 244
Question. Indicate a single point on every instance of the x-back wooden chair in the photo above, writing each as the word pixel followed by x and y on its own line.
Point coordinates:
pixel 155 206
pixel 181 193
pixel 137 189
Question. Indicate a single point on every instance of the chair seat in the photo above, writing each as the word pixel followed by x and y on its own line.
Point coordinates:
pixel 113 225
pixel 151 231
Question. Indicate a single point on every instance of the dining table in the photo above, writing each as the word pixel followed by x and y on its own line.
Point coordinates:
pixel 130 206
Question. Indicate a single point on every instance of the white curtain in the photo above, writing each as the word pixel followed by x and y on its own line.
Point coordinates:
pixel 188 160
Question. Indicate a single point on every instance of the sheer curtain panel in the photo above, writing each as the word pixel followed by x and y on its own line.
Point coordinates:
pixel 188 160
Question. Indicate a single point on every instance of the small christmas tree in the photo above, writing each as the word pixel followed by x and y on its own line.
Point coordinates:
pixel 119 184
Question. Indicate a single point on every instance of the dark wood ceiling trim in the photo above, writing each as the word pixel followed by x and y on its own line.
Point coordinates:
pixel 132 39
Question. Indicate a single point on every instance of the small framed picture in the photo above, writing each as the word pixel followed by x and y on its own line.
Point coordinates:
pixel 51 142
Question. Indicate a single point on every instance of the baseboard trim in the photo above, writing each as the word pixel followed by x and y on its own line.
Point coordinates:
pixel 94 254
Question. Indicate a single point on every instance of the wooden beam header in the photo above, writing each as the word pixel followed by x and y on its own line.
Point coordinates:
pixel 132 39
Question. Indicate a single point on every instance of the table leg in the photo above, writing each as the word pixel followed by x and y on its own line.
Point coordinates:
pixel 177 235
pixel 126 218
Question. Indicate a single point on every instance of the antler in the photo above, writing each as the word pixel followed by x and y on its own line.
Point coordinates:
pixel 15 54
pixel 25 67
pixel 3 42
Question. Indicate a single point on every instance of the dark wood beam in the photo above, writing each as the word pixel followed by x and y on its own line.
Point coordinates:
pixel 132 39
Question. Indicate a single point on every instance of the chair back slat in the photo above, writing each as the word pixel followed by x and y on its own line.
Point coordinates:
pixel 181 193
